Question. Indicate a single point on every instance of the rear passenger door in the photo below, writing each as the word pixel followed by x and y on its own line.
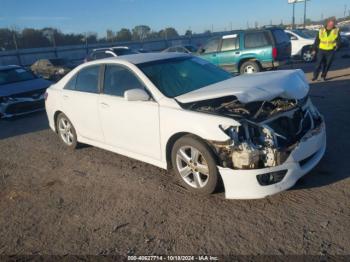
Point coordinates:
pixel 229 54
pixel 210 51
pixel 80 102
pixel 258 45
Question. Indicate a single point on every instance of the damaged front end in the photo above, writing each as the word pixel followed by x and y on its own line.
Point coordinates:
pixel 269 131
pixel 24 103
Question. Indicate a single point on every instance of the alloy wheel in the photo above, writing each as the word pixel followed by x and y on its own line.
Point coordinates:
pixel 192 166
pixel 66 131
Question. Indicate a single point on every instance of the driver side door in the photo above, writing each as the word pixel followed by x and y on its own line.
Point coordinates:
pixel 131 126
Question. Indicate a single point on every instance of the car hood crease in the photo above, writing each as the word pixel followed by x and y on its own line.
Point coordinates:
pixel 289 84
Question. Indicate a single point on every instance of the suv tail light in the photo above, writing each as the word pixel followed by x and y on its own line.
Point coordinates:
pixel 274 52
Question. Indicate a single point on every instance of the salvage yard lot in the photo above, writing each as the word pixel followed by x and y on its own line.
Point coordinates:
pixel 90 201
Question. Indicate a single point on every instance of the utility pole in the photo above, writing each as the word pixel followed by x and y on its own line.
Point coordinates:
pixel 305 13
pixel 293 18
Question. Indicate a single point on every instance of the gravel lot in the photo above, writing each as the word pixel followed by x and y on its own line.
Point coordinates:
pixel 90 201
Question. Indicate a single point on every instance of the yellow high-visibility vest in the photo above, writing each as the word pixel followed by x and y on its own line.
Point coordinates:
pixel 328 42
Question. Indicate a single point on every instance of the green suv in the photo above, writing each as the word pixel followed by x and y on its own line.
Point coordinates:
pixel 248 51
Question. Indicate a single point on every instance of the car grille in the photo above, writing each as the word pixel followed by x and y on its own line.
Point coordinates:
pixel 23 107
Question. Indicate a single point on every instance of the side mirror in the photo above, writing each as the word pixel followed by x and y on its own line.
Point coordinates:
pixel 136 95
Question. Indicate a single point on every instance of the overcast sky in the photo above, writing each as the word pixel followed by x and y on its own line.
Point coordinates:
pixel 198 15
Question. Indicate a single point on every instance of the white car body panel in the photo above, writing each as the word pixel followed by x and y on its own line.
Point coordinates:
pixel 143 129
pixel 299 43
pixel 256 87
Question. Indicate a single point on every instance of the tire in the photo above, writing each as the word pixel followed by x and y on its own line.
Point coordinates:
pixel 307 55
pixel 66 131
pixel 249 67
pixel 195 165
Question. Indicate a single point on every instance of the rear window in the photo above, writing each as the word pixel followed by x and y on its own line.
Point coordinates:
pixel 256 40
pixel 280 36
pixel 15 75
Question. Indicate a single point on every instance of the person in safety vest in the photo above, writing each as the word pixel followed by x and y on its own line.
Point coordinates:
pixel 326 44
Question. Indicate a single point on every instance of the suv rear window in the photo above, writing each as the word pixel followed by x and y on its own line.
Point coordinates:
pixel 256 39
pixel 280 36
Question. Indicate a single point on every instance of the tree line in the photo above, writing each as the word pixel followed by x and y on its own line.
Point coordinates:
pixel 12 38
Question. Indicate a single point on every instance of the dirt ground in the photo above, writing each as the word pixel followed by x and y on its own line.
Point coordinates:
pixel 90 201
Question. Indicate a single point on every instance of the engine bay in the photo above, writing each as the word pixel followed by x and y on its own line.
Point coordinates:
pixel 268 131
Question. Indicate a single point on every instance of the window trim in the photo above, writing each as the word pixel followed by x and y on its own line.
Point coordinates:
pixel 103 72
pixel 238 37
pixel 76 78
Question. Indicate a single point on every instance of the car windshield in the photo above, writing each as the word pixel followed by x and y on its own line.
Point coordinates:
pixel 124 51
pixel 58 62
pixel 306 33
pixel 178 76
pixel 13 75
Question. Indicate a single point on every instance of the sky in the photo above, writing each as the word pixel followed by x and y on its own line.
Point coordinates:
pixel 78 16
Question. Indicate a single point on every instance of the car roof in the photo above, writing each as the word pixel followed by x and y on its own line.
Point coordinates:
pixel 7 67
pixel 145 57
pixel 110 48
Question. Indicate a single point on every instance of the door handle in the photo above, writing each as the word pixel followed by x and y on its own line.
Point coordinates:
pixel 237 53
pixel 104 105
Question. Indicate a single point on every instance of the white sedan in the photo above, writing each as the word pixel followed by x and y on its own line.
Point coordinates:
pixel 259 133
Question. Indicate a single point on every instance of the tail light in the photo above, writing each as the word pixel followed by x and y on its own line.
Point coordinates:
pixel 274 53
pixel 46 95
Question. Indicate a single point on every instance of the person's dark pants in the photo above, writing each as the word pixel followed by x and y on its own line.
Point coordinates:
pixel 324 62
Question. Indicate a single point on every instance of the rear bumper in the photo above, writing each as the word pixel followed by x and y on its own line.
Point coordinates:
pixel 273 64
pixel 23 106
pixel 243 184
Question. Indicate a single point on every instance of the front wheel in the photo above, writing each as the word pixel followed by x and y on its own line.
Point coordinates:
pixel 250 67
pixel 195 165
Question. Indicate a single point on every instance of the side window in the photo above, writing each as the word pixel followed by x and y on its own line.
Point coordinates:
pixel 255 40
pixel 231 43
pixel 119 79
pixel 71 83
pixel 211 46
pixel 87 79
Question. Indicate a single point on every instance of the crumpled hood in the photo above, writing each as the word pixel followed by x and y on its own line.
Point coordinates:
pixel 289 84
pixel 24 86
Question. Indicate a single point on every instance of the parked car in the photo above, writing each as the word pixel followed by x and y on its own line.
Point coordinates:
pixel 101 53
pixel 249 51
pixel 52 69
pixel 189 49
pixel 345 42
pixel 21 92
pixel 302 43
pixel 260 133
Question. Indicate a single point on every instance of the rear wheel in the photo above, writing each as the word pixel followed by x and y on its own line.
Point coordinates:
pixel 195 165
pixel 250 67
pixel 66 131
